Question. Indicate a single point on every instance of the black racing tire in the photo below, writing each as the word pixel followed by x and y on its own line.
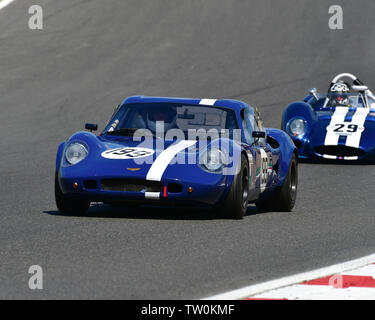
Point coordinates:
pixel 69 206
pixel 288 193
pixel 282 199
pixel 236 202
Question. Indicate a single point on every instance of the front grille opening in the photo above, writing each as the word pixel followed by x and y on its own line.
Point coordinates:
pixel 90 184
pixel 174 188
pixel 339 151
pixel 131 185
pixel 298 144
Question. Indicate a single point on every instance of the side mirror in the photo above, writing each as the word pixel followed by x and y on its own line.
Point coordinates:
pixel 314 93
pixel 91 126
pixel 259 134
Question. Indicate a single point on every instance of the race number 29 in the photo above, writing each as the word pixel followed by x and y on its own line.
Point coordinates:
pixel 345 128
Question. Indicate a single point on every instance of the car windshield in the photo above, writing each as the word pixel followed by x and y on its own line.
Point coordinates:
pixel 135 116
pixel 349 100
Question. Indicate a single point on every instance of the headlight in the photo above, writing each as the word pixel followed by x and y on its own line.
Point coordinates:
pixel 297 127
pixel 213 159
pixel 76 152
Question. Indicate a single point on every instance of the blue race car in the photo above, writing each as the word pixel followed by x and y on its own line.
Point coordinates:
pixel 172 151
pixel 337 126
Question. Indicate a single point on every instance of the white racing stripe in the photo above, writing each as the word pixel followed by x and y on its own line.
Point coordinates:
pixel 162 161
pixel 152 195
pixel 327 156
pixel 358 119
pixel 208 102
pixel 338 117
pixel 5 3
pixel 354 138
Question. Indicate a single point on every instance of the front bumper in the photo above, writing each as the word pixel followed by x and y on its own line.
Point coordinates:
pixel 334 153
pixel 167 191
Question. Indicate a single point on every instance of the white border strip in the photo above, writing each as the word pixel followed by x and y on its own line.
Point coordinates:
pixel 152 195
pixel 246 292
pixel 5 3
pixel 208 102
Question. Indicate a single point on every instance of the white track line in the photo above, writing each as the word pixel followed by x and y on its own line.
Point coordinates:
pixel 319 292
pixel 298 278
pixel 4 3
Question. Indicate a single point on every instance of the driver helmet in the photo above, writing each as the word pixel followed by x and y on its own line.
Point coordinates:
pixel 165 115
pixel 339 94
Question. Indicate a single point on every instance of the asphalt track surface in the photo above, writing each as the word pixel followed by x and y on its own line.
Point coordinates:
pixel 89 57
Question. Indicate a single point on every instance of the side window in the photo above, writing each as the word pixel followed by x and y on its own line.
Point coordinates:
pixel 245 125
pixel 258 126
pixel 248 124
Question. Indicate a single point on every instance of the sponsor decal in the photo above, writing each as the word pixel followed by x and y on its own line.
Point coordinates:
pixel 127 153
pixel 258 172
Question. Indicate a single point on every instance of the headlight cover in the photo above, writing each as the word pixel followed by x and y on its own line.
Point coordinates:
pixel 297 127
pixel 76 152
pixel 213 160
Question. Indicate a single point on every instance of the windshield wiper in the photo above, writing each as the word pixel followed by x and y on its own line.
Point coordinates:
pixel 131 132
pixel 122 132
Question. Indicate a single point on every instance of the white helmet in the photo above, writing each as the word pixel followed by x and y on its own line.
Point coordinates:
pixel 166 116
pixel 340 87
pixel 339 94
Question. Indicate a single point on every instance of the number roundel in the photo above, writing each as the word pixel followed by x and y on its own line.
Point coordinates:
pixel 345 128
pixel 127 153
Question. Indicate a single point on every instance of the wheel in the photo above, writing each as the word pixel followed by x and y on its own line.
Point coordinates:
pixel 288 193
pixel 236 202
pixel 284 198
pixel 69 206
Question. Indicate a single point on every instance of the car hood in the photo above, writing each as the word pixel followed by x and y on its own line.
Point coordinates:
pixel 353 129
pixel 151 159
pixel 113 154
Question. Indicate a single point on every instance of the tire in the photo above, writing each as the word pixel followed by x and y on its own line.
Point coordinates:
pixel 284 198
pixel 236 202
pixel 69 206
pixel 288 193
